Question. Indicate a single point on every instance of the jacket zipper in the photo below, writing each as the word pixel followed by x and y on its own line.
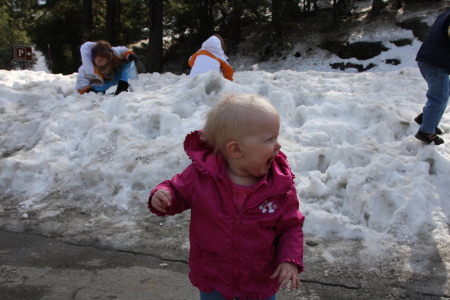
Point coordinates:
pixel 236 256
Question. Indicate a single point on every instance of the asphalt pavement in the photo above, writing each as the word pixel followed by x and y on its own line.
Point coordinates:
pixel 35 267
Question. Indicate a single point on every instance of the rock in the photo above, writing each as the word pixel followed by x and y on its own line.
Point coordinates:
pixel 419 28
pixel 358 50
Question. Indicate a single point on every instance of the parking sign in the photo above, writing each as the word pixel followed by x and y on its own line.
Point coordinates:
pixel 23 53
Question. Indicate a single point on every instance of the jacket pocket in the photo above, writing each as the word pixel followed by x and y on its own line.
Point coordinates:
pixel 263 266
pixel 206 264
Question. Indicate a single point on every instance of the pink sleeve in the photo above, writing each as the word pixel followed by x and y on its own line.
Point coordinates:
pixel 290 232
pixel 180 188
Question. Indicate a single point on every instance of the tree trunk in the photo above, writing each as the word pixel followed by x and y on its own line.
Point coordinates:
pixel 118 39
pixel 86 21
pixel 111 22
pixel 376 8
pixel 276 18
pixel 235 30
pixel 155 43
pixel 291 9
pixel 206 22
pixel 190 47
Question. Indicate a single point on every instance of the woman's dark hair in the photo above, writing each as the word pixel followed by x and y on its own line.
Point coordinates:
pixel 104 49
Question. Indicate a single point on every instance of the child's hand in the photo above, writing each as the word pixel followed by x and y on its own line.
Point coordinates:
pixel 287 271
pixel 161 199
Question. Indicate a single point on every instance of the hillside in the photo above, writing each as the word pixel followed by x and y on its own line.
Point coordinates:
pixel 354 45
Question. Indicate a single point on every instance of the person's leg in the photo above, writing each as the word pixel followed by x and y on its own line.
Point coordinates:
pixel 121 78
pixel 437 96
pixel 106 85
pixel 274 297
pixel 214 295
pixel 419 118
pixel 122 73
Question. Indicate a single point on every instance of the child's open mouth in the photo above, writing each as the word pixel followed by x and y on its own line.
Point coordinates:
pixel 269 161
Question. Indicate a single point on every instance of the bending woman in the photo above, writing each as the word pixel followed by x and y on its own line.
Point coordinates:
pixel 104 66
pixel 211 57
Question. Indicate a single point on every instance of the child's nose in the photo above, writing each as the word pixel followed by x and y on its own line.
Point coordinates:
pixel 277 146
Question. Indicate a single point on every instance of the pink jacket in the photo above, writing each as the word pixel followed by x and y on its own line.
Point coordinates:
pixel 235 254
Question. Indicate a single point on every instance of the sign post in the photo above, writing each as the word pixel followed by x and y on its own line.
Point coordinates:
pixel 23 53
pixel 50 58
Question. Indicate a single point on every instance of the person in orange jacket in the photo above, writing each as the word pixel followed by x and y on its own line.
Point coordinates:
pixel 103 66
pixel 211 57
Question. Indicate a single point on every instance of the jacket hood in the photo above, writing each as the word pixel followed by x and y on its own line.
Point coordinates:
pixel 214 46
pixel 280 176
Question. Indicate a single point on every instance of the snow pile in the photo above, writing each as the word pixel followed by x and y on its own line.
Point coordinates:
pixel 82 166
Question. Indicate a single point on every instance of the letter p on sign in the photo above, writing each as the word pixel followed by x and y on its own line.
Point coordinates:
pixel 23 53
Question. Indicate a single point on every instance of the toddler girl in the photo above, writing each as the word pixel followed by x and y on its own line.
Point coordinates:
pixel 246 237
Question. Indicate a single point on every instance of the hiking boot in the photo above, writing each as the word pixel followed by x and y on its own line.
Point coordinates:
pixel 418 120
pixel 428 138
pixel 122 86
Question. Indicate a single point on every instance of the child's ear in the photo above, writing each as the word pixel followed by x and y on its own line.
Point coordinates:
pixel 233 149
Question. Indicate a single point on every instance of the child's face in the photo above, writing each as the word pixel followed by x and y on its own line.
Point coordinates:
pixel 260 147
pixel 100 61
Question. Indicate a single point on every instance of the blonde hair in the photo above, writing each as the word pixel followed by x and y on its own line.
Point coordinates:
pixel 233 117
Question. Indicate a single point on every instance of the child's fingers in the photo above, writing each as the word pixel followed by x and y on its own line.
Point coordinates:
pixel 156 203
pixel 161 199
pixel 295 282
pixel 286 275
pixel 164 196
pixel 293 278
pixel 276 274
pixel 299 284
pixel 284 279
pixel 281 273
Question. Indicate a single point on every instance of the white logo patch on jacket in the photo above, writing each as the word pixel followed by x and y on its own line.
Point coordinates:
pixel 267 206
